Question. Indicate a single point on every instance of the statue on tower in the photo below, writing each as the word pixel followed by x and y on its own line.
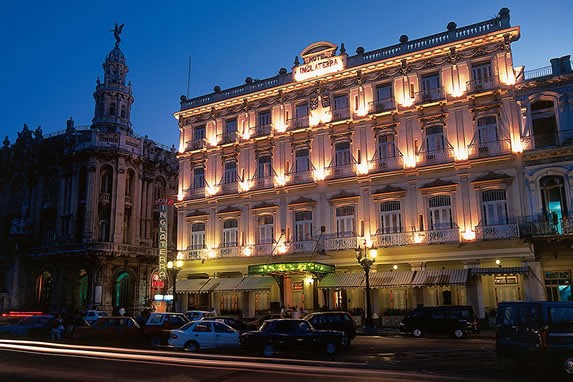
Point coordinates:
pixel 116 32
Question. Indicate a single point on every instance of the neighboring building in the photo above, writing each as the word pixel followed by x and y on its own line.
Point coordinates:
pixel 413 149
pixel 79 225
pixel 546 99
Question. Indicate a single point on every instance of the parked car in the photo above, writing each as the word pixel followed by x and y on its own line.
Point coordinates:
pixel 32 326
pixel 198 314
pixel 333 321
pixel 197 335
pixel 256 324
pixel 456 320
pixel 119 330
pixel 159 324
pixel 234 323
pixel 292 335
pixel 536 332
pixel 92 316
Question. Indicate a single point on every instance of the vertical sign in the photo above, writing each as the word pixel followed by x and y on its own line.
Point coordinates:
pixel 163 203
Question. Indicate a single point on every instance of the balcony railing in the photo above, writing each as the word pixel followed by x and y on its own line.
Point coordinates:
pixel 340 114
pixel 260 131
pixel 300 177
pixel 437 236
pixel 197 253
pixel 382 105
pixel 104 197
pixel 497 232
pixel 301 246
pixel 394 239
pixel 340 240
pixel 488 149
pixel 430 95
pixel 264 249
pixel 298 123
pixel 196 192
pixel 229 187
pixel 229 251
pixel 541 141
pixel 230 137
pixel 481 85
pixel 436 156
pixel 196 144
pixel 341 170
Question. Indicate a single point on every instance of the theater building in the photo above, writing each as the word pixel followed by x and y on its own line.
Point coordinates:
pixel 413 150
pixel 79 228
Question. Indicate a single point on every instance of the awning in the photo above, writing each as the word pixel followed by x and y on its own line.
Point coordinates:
pixel 342 280
pixel 255 283
pixel 499 271
pixel 391 279
pixel 440 277
pixel 221 284
pixel 189 285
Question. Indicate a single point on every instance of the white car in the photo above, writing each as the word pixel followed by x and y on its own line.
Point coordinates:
pixel 93 315
pixel 204 335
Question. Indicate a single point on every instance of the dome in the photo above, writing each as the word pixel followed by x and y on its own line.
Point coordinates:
pixel 116 55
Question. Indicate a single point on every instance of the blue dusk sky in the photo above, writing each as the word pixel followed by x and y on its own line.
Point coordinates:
pixel 52 51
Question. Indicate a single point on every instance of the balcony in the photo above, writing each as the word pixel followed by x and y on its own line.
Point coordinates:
pixel 435 156
pixel 489 149
pixel 264 249
pixel 497 232
pixel 229 187
pixel 263 182
pixel 196 192
pixel 437 236
pixel 226 138
pixel 301 246
pixel 482 85
pixel 301 177
pixel 298 123
pixel 340 240
pixel 104 197
pixel 340 114
pixel 429 96
pixel 394 239
pixel 260 131
pixel 557 139
pixel 229 250
pixel 382 105
pixel 196 144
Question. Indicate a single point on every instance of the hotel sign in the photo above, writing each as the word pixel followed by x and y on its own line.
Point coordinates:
pixel 318 60
pixel 163 203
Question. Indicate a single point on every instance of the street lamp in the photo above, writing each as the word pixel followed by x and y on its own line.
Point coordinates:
pixel 174 268
pixel 366 257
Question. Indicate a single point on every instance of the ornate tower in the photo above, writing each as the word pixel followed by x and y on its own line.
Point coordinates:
pixel 113 97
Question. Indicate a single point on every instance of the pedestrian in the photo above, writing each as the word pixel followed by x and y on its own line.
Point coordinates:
pixel 296 313
pixel 213 311
pixel 57 328
pixel 121 311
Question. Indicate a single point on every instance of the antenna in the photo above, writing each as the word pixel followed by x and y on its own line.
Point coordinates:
pixel 188 76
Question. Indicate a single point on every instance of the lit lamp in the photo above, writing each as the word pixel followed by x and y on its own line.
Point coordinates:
pixel 174 268
pixel 366 256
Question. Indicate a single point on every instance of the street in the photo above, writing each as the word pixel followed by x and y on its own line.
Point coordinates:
pixel 371 358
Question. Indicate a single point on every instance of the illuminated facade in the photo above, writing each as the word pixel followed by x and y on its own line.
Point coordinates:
pixel 80 229
pixel 414 149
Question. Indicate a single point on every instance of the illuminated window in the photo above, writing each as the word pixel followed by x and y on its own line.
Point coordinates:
pixel 341 107
pixel 440 212
pixel 481 76
pixel 390 217
pixel 264 118
pixel 198 235
pixel 198 177
pixel 231 233
pixel 266 229
pixel 345 221
pixel 230 175
pixel 199 133
pixel 302 225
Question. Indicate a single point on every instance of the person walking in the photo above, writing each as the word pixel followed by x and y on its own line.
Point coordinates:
pixel 121 311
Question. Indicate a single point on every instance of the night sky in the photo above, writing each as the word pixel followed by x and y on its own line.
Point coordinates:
pixel 52 51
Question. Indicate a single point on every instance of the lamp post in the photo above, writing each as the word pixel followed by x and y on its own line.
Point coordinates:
pixel 366 257
pixel 174 268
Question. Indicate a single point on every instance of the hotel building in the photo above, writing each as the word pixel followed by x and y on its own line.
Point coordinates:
pixel 413 150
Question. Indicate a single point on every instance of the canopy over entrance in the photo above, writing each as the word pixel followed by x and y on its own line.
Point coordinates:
pixel 294 268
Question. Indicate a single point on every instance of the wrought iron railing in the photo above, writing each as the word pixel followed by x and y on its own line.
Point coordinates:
pixel 488 149
pixel 430 95
pixel 301 246
pixel 340 114
pixel 382 105
pixel 394 239
pixel 497 232
pixel 435 156
pixel 260 130
pixel 482 84
pixel 230 137
pixel 298 123
pixel 559 138
pixel 339 241
pixel 196 144
pixel 299 177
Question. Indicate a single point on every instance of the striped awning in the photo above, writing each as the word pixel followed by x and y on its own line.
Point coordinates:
pixel 189 285
pixel 255 283
pixel 440 277
pixel 342 280
pixel 499 271
pixel 391 279
pixel 221 284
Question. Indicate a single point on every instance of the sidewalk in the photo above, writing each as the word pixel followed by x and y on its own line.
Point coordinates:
pixel 388 331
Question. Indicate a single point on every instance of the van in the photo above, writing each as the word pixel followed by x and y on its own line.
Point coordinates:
pixel 456 320
pixel 536 331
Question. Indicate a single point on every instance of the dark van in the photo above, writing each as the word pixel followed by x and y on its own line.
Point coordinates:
pixel 456 320
pixel 536 331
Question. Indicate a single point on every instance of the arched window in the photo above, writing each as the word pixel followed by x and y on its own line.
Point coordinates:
pixel 122 294
pixel 112 108
pixel 83 290
pixel 106 181
pixel 104 230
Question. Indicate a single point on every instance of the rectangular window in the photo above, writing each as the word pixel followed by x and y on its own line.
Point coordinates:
pixel 198 236
pixel 199 133
pixel 430 82
pixel 434 139
pixel 230 172
pixel 342 155
pixel 302 161
pixel 230 126
pixel 383 92
pixel 301 110
pixel 487 130
pixel 302 225
pixel 494 207
pixel 481 73
pixel 198 177
pixel 266 229
pixel 386 148
pixel 440 212
pixel 264 118
pixel 230 233
pixel 264 167
pixel 341 106
pixel 390 217
pixel 345 226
